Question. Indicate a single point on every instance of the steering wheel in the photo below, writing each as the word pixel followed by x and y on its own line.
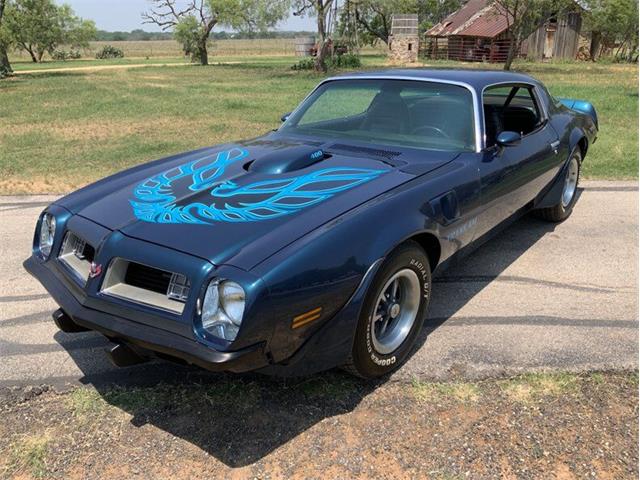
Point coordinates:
pixel 429 128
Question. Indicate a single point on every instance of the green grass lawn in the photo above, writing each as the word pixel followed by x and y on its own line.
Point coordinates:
pixel 61 130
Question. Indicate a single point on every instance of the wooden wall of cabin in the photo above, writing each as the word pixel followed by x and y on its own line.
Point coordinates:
pixel 566 35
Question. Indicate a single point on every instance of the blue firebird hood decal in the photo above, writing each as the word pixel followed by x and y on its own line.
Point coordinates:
pixel 225 201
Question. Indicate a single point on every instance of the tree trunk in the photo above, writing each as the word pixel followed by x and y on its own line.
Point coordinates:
pixel 511 54
pixel 202 53
pixel 34 59
pixel 202 46
pixel 594 47
pixel 320 64
pixel 5 66
pixel 4 61
pixel 515 45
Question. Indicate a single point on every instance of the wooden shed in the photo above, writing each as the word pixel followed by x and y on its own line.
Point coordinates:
pixel 557 38
pixel 479 31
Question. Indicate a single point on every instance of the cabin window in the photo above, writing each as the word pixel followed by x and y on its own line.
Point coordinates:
pixel 510 108
pixel 404 113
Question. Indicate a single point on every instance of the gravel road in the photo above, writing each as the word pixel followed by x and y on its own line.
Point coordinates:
pixel 537 297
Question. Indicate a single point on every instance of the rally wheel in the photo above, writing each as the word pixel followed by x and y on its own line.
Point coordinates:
pixel 392 314
pixel 569 197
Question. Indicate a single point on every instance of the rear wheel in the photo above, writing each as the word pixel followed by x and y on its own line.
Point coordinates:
pixel 569 196
pixel 393 312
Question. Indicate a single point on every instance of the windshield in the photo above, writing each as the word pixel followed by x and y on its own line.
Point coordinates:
pixel 425 115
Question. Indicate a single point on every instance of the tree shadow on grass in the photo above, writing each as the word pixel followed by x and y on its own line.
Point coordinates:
pixel 44 75
pixel 240 419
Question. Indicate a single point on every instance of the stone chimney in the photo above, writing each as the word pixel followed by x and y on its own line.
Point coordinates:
pixel 405 41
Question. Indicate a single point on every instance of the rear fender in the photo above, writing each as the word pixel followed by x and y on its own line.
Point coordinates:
pixel 553 194
pixel 581 106
pixel 576 136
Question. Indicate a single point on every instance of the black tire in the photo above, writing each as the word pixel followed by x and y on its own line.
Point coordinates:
pixel 561 211
pixel 365 360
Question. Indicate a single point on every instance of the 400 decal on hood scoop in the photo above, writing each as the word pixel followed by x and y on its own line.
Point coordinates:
pixel 214 203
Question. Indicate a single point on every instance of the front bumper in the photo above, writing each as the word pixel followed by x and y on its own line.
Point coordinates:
pixel 145 336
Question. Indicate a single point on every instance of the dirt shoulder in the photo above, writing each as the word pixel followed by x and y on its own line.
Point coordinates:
pixel 329 426
pixel 97 68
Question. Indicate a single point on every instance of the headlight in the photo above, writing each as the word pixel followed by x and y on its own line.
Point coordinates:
pixel 223 308
pixel 47 234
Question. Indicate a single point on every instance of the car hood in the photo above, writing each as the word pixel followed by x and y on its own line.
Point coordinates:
pixel 240 203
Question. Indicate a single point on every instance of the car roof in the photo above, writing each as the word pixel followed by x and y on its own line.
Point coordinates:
pixel 478 79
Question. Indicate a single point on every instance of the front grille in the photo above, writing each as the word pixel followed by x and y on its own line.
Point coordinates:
pixel 76 254
pixel 146 285
pixel 148 278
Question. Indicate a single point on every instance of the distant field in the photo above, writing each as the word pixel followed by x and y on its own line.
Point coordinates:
pixel 170 48
pixel 61 130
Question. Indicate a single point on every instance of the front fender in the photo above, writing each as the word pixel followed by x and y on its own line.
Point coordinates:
pixel 325 268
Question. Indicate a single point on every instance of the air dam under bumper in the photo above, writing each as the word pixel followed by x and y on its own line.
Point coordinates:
pixel 144 336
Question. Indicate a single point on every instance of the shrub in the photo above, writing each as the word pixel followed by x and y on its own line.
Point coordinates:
pixel 348 60
pixel 59 55
pixel 63 55
pixel 304 64
pixel 109 51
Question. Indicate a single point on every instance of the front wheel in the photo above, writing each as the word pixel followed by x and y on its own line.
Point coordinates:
pixel 392 314
pixel 569 196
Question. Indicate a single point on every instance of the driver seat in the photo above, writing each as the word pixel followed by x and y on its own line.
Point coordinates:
pixel 387 113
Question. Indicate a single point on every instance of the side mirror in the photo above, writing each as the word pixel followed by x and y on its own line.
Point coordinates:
pixel 508 139
pixel 284 117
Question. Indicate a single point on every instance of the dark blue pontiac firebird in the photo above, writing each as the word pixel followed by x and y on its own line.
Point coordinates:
pixel 312 246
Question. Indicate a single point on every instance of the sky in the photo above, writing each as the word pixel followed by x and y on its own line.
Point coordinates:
pixel 124 15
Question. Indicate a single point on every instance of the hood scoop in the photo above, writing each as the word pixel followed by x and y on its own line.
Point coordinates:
pixel 287 159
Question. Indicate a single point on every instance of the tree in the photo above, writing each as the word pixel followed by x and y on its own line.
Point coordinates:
pixel 612 21
pixel 524 17
pixel 373 17
pixel 192 24
pixel 39 26
pixel 431 12
pixel 5 42
pixel 321 10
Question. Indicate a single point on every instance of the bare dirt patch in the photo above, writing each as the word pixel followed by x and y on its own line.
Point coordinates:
pixel 329 426
pixel 97 68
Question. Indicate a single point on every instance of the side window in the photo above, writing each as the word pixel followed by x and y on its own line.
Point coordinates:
pixel 510 108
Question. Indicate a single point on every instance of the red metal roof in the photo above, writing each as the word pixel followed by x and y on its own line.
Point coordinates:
pixel 457 18
pixel 477 18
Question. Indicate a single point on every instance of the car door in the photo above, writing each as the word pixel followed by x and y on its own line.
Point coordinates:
pixel 512 176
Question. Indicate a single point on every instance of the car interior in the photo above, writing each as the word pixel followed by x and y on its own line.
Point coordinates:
pixel 511 108
pixel 402 114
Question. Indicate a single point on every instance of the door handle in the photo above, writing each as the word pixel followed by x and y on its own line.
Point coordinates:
pixel 554 146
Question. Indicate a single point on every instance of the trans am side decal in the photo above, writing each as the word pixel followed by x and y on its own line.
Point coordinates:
pixel 156 199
